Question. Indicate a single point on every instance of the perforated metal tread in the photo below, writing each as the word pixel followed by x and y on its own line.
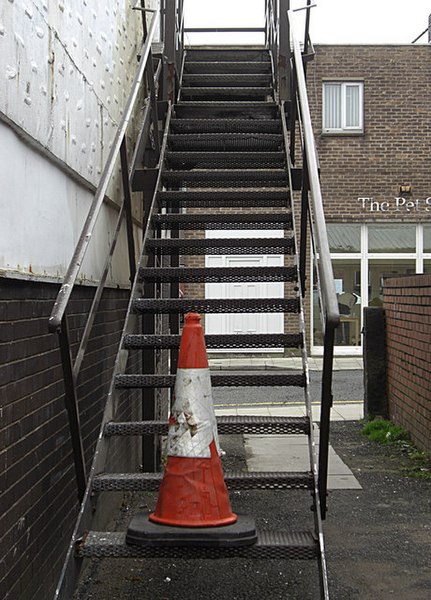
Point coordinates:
pixel 150 482
pixel 224 160
pixel 226 66
pixel 256 55
pixel 277 340
pixel 226 425
pixel 226 198
pixel 259 379
pixel 223 109
pixel 223 221
pixel 216 305
pixel 188 126
pixel 225 141
pixel 270 545
pixel 217 274
pixel 215 246
pixel 203 79
pixel 222 93
pixel 228 178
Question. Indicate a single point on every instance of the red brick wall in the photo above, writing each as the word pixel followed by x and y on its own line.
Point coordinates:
pixel 394 148
pixel 407 304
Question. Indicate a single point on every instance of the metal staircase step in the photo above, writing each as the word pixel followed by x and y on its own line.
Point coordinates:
pixel 226 141
pixel 300 545
pixel 225 425
pixel 222 341
pixel 225 160
pixel 216 305
pixel 150 482
pixel 216 246
pixel 239 53
pixel 223 109
pixel 227 178
pixel 226 66
pixel 217 274
pixel 225 125
pixel 203 79
pixel 188 221
pixel 225 93
pixel 244 198
pixel 260 379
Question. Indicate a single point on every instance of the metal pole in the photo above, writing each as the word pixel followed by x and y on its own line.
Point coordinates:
pixel 169 29
pixel 128 209
pixel 284 51
pixel 71 403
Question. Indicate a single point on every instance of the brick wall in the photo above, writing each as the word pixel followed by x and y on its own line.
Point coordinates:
pixel 38 490
pixel 407 305
pixel 394 148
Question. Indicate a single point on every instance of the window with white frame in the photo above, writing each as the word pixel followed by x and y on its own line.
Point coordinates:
pixel 343 107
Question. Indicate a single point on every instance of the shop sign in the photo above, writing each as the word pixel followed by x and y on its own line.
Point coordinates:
pixel 395 205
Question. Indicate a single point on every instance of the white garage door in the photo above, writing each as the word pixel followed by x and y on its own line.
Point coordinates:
pixel 243 323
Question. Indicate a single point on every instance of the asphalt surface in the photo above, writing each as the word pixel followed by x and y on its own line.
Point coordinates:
pixel 377 539
pixel 348 386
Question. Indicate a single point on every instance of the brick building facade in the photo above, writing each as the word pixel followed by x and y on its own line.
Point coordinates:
pixel 370 112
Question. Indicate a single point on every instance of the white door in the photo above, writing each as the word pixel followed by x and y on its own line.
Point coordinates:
pixel 243 323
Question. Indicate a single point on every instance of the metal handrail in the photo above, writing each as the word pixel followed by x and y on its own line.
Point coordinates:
pixel 69 281
pixel 328 287
pixel 328 297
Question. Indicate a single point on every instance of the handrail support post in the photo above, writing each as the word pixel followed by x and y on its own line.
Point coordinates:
pixel 72 409
pixel 128 209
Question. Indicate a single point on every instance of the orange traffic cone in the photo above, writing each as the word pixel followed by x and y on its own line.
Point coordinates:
pixel 193 492
pixel 193 507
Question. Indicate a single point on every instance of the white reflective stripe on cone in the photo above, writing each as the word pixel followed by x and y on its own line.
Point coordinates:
pixel 193 424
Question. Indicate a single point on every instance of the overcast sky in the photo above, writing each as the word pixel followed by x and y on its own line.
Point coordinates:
pixel 332 21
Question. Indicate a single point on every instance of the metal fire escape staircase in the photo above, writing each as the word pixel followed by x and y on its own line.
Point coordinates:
pixel 225 163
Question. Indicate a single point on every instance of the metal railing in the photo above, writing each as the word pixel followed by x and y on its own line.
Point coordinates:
pixel 58 321
pixel 312 212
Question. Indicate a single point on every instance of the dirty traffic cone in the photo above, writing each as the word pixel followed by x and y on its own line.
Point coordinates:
pixel 193 506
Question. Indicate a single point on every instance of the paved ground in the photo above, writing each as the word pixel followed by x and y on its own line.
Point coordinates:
pixel 377 537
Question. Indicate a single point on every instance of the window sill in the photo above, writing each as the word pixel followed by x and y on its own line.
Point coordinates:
pixel 342 133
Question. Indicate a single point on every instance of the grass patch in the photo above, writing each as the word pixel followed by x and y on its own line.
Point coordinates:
pixel 386 432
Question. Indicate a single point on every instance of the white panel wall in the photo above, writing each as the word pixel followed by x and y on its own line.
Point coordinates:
pixel 65 73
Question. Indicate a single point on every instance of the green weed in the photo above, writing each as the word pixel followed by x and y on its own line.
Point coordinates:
pixel 386 432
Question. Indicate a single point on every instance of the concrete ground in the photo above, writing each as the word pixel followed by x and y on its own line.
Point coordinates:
pixel 377 532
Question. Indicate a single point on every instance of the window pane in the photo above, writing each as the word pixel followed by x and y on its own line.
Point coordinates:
pixel 352 106
pixel 332 117
pixel 344 237
pixel 427 266
pixel 392 238
pixel 427 238
pixel 347 275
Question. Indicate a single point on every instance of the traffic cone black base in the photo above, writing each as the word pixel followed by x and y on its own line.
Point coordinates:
pixel 144 532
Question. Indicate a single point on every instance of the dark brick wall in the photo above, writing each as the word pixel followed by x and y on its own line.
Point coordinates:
pixel 38 489
pixel 407 305
pixel 394 148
